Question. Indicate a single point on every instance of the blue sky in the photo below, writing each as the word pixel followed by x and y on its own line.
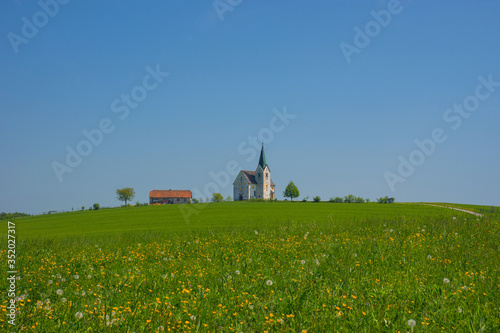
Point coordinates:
pixel 229 73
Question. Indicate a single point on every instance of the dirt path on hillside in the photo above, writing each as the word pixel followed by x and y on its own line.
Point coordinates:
pixel 459 209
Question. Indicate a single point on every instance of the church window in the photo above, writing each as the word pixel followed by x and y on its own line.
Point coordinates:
pixel 254 193
pixel 267 175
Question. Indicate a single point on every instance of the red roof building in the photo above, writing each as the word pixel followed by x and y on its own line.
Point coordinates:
pixel 170 196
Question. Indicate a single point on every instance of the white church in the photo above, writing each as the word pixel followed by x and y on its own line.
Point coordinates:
pixel 255 184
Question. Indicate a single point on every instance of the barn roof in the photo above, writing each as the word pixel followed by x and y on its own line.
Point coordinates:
pixel 170 194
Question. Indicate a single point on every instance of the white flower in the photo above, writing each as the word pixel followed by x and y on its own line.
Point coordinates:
pixel 89 276
pixel 79 315
pixel 83 293
pixel 256 232
pixel 302 262
pixel 269 282
pixel 445 280
pixel 412 323
pixel 229 277
pixel 459 310
pixel 49 282
pixel 76 277
pixel 429 256
pixel 237 272
pixel 59 292
pixel 317 262
pixel 193 317
pixel 161 328
pixel 63 300
pixel 63 280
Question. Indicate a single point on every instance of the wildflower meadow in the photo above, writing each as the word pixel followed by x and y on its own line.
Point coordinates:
pixel 436 273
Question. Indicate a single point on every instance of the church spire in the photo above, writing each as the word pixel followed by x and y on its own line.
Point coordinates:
pixel 262 160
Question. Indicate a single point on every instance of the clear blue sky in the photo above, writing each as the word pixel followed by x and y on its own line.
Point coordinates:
pixel 353 120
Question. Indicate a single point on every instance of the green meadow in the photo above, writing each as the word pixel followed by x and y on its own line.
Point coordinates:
pixel 257 267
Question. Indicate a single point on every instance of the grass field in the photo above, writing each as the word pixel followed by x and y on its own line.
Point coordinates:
pixel 255 267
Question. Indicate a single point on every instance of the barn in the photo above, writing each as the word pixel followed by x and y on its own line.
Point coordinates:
pixel 170 196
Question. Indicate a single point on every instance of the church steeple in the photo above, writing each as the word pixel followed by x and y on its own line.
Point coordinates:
pixel 262 160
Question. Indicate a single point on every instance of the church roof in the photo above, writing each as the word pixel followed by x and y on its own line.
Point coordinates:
pixel 250 176
pixel 262 159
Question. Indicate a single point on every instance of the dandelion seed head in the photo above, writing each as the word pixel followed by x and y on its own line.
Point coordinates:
pixel 269 282
pixel 445 280
pixel 79 315
pixel 412 323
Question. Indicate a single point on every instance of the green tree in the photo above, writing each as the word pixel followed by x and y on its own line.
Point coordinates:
pixel 229 198
pixel 349 198
pixel 317 199
pixel 125 194
pixel 96 206
pixel 291 191
pixel 195 201
pixel 217 197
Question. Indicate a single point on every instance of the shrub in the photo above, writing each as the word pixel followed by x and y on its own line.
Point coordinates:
pixel 317 199
pixel 217 197
pixel 96 206
pixel 305 199
pixel 195 200
pixel 360 200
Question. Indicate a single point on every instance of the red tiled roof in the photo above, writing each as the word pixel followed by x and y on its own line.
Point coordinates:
pixel 170 194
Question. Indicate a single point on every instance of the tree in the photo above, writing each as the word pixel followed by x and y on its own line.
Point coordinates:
pixel 317 199
pixel 228 199
pixel 349 198
pixel 125 194
pixel 83 207
pixel 96 206
pixel 195 201
pixel 291 191
pixel 217 197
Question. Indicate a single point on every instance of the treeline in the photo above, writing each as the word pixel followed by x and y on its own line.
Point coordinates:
pixel 351 199
pixel 10 216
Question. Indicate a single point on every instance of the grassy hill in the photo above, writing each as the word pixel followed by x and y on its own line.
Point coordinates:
pixel 255 267
pixel 181 218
